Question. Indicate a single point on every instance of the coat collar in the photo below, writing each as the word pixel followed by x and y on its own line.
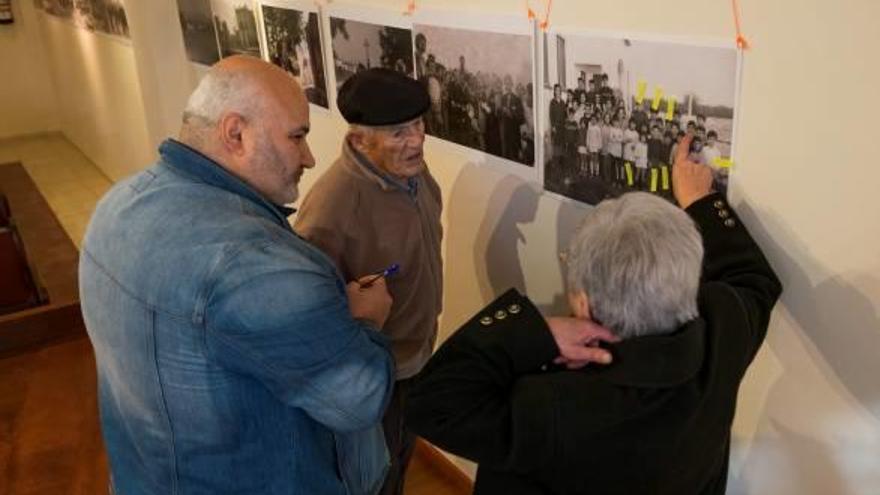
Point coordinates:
pixel 360 165
pixel 658 361
pixel 188 161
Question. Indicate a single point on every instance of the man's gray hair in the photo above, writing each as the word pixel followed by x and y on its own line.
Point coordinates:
pixel 639 260
pixel 223 91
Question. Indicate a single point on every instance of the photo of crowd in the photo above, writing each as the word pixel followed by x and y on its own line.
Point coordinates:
pixel 199 34
pixel 617 128
pixel 102 16
pixel 362 45
pixel 481 89
pixel 293 42
pixel 236 28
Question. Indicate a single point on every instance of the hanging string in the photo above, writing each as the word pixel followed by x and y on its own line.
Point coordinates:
pixel 529 11
pixel 543 24
pixel 741 40
pixel 546 22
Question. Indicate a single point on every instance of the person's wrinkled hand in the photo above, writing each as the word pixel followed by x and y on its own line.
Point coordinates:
pixel 578 341
pixel 372 303
pixel 691 181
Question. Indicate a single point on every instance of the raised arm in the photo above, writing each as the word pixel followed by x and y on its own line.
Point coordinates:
pixel 731 256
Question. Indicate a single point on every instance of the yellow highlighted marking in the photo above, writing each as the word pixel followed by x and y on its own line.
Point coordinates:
pixel 658 96
pixel 665 170
pixel 641 89
pixel 629 173
pixel 722 162
pixel 653 180
pixel 670 108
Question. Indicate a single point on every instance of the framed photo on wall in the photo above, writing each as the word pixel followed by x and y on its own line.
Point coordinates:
pixel 479 71
pixel 236 26
pixel 363 38
pixel 292 33
pixel 199 31
pixel 98 16
pixel 613 116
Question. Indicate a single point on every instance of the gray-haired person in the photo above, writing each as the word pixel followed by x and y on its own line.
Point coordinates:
pixel 683 297
pixel 231 357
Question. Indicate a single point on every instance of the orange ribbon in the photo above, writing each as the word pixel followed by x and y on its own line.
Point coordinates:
pixel 741 40
pixel 543 24
pixel 546 22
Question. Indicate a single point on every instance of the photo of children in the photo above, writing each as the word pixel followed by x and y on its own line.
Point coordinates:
pixel 616 109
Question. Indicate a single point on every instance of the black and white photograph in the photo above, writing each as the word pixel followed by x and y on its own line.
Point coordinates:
pixel 361 45
pixel 58 8
pixel 293 42
pixel 102 16
pixel 236 27
pixel 105 16
pixel 615 110
pixel 481 88
pixel 199 33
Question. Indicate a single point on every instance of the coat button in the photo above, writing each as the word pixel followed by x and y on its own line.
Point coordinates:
pixel 500 314
pixel 514 309
pixel 723 213
pixel 718 204
pixel 486 321
pixel 730 222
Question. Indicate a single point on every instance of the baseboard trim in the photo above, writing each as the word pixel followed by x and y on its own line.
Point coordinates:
pixel 434 458
pixel 30 135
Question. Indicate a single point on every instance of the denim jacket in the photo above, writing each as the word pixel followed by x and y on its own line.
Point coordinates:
pixel 228 360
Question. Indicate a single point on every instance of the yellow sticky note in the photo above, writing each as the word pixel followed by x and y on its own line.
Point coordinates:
pixel 629 173
pixel 641 89
pixel 670 108
pixel 722 162
pixel 658 96
pixel 653 180
pixel 665 171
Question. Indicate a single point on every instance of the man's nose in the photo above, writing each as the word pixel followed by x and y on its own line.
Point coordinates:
pixel 308 159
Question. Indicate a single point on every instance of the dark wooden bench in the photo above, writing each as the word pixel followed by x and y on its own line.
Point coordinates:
pixel 19 288
pixel 5 214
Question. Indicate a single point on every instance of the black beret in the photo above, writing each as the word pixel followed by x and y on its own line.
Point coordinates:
pixel 378 96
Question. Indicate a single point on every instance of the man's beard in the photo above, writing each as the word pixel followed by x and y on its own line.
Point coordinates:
pixel 270 160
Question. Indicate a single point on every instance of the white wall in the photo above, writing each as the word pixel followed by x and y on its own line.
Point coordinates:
pixel 100 105
pixel 27 96
pixel 809 413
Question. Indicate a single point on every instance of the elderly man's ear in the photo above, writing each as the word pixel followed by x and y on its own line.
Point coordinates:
pixel 360 141
pixel 579 304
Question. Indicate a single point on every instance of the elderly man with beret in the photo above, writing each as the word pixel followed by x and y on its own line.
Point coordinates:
pixel 378 206
pixel 683 296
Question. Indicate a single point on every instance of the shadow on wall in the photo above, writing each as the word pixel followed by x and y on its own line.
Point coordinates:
pixel 841 322
pixel 512 203
pixel 568 219
pixel 841 330
pixel 499 241
pixel 491 259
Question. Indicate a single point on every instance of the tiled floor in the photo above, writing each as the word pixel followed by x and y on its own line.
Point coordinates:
pixel 68 180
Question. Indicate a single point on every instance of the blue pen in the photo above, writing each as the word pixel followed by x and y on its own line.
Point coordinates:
pixel 391 270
